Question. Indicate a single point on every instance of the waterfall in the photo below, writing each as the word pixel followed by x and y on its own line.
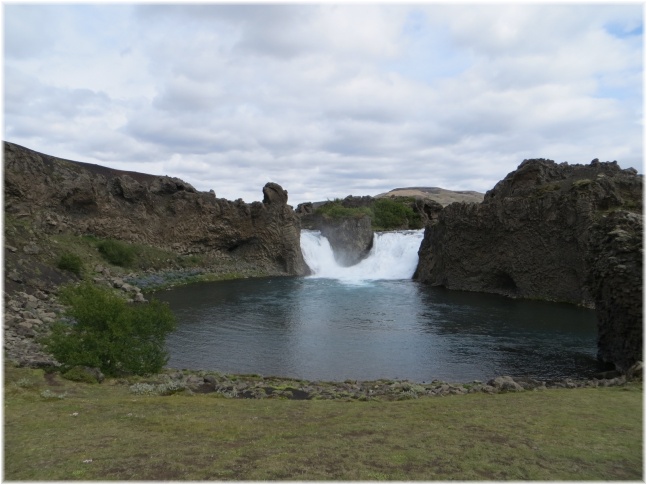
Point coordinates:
pixel 394 256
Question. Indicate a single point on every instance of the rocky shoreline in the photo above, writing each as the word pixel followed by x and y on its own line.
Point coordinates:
pixel 259 387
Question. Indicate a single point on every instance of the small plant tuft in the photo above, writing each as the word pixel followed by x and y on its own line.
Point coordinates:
pixel 24 383
pixel 117 252
pixel 71 262
pixel 49 395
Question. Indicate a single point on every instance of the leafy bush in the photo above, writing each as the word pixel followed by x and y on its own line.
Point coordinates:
pixel 386 214
pixel 108 333
pixel 71 262
pixel 393 214
pixel 335 210
pixel 117 252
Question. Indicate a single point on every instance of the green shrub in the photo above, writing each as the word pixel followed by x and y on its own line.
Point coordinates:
pixel 71 262
pixel 386 214
pixel 393 214
pixel 117 252
pixel 335 210
pixel 110 334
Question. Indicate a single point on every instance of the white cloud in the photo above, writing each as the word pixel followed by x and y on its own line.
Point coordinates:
pixel 326 100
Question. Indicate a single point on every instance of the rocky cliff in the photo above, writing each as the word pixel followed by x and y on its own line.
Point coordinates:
pixel 529 237
pixel 615 280
pixel 546 231
pixel 58 196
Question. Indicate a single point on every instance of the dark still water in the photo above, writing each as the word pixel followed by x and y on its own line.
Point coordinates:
pixel 331 329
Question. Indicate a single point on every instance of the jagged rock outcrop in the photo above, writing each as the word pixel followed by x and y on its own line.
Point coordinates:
pixel 615 281
pixel 350 238
pixel 557 232
pixel 65 196
pixel 429 210
pixel 274 194
pixel 304 209
pixel 530 236
pixel 355 201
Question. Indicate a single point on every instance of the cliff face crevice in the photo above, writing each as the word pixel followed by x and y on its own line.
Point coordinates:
pixel 166 212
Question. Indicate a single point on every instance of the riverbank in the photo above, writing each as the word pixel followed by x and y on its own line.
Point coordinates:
pixel 29 314
pixel 30 300
pixel 56 429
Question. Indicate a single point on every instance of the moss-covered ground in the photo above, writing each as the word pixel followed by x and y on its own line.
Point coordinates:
pixel 56 429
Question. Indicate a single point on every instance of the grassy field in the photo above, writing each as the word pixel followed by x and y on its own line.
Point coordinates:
pixel 60 430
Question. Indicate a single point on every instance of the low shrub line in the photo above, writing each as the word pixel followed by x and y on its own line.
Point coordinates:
pixel 386 214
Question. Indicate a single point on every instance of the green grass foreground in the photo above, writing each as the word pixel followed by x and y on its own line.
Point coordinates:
pixel 60 430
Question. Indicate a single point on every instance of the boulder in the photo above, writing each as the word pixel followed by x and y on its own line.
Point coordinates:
pixel 304 208
pixel 635 372
pixel 504 383
pixel 274 194
pixel 31 249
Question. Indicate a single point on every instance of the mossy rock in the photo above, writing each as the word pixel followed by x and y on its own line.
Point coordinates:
pixel 578 184
pixel 80 373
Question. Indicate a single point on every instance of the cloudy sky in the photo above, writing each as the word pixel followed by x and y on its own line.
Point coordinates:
pixel 325 100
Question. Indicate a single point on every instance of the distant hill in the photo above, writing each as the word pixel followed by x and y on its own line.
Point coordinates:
pixel 442 196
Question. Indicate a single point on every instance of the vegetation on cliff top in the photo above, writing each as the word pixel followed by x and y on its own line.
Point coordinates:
pixel 386 214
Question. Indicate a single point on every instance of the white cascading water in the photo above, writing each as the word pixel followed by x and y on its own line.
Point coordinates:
pixel 394 256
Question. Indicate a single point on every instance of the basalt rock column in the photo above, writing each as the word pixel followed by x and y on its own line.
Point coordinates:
pixel 616 284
